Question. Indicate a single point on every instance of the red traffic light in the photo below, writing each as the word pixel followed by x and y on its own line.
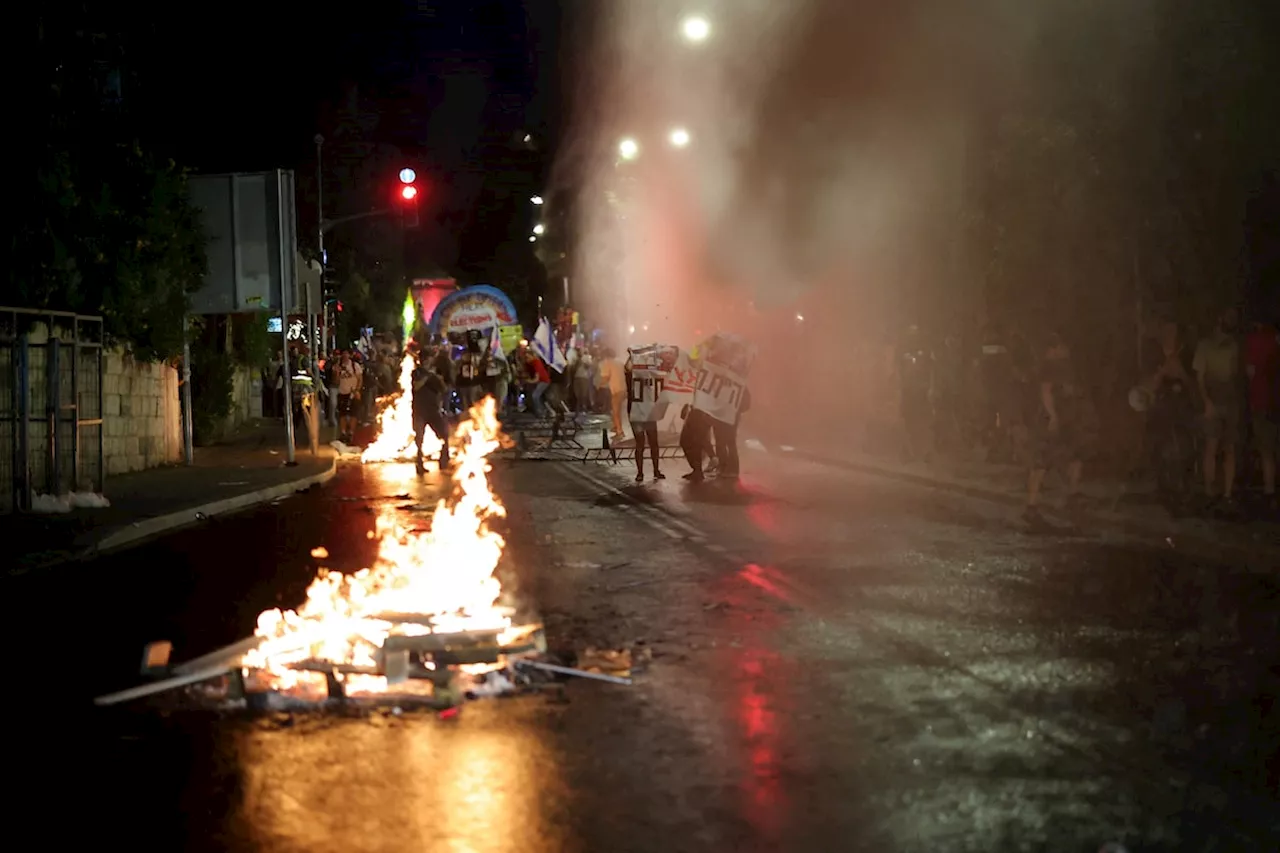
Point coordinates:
pixel 409 193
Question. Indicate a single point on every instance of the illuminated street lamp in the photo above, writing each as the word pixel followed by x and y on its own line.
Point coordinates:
pixel 695 29
pixel 679 137
pixel 533 239
pixel 628 149
pixel 537 199
pixel 539 228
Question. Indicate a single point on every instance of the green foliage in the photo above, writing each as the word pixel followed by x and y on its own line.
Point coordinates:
pixel 253 344
pixel 212 385
pixel 112 232
pixel 104 226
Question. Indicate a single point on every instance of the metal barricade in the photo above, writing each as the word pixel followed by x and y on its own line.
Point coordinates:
pixel 51 414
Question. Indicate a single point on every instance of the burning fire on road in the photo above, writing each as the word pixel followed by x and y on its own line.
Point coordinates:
pixel 440 581
pixel 423 620
pixel 394 442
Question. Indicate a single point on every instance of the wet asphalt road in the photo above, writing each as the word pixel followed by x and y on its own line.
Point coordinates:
pixel 841 663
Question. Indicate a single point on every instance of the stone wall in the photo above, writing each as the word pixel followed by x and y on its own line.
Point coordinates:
pixel 142 414
pixel 246 398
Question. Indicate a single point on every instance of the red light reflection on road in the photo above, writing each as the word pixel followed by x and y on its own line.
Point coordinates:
pixel 764 515
pixel 759 725
pixel 760 681
pixel 755 576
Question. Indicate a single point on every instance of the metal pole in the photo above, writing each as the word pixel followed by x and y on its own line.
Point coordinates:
pixel 324 310
pixel 75 406
pixel 102 421
pixel 284 326
pixel 15 417
pixel 53 395
pixel 23 471
pixel 188 438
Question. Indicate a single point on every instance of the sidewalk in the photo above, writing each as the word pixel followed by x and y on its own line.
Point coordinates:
pixel 1133 510
pixel 247 470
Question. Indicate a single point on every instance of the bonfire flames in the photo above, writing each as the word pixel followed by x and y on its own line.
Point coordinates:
pixel 442 580
pixel 395 424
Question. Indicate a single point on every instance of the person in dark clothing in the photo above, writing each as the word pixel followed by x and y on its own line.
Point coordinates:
pixel 695 436
pixel 726 441
pixel 915 376
pixel 1064 428
pixel 428 402
pixel 470 381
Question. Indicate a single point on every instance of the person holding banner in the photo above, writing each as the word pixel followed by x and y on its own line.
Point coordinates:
pixel 726 440
pixel 644 388
pixel 720 397
pixel 497 371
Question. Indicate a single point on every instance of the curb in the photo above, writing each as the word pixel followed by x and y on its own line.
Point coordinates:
pixel 157 525
pixel 1255 555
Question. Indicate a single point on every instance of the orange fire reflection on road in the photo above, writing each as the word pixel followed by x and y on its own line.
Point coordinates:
pixel 483 784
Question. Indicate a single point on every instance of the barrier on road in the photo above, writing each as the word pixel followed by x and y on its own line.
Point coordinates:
pixel 607 452
pixel 549 442
pixel 541 436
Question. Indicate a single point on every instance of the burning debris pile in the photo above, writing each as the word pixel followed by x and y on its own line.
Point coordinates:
pixel 424 621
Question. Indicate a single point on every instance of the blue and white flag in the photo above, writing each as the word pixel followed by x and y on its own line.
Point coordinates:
pixel 544 344
pixel 497 358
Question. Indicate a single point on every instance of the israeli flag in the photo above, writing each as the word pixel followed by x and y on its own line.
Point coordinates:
pixel 544 344
pixel 495 345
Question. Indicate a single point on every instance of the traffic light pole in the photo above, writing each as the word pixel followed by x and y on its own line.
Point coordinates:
pixel 324 312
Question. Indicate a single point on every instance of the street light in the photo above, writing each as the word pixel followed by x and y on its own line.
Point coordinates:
pixel 533 239
pixel 539 228
pixel 537 199
pixel 679 137
pixel 695 28
pixel 628 149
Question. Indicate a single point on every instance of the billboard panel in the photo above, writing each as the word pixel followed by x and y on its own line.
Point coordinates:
pixel 250 226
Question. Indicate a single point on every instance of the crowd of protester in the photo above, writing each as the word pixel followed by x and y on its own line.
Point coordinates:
pixel 1204 410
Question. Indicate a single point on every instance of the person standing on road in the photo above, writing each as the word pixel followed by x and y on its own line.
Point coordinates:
pixel 428 410
pixel 915 378
pixel 1218 375
pixel 349 375
pixel 470 373
pixel 1262 366
pixel 642 401
pixel 539 381
pixel 583 382
pixel 726 440
pixel 331 382
pixel 695 438
pixel 612 377
pixel 498 375
pixel 1062 429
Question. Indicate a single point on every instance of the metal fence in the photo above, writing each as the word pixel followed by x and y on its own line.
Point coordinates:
pixel 50 405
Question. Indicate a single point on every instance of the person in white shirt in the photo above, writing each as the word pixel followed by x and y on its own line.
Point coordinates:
pixel 350 381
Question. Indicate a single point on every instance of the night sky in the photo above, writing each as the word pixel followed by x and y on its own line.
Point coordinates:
pixel 452 84
pixel 240 89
